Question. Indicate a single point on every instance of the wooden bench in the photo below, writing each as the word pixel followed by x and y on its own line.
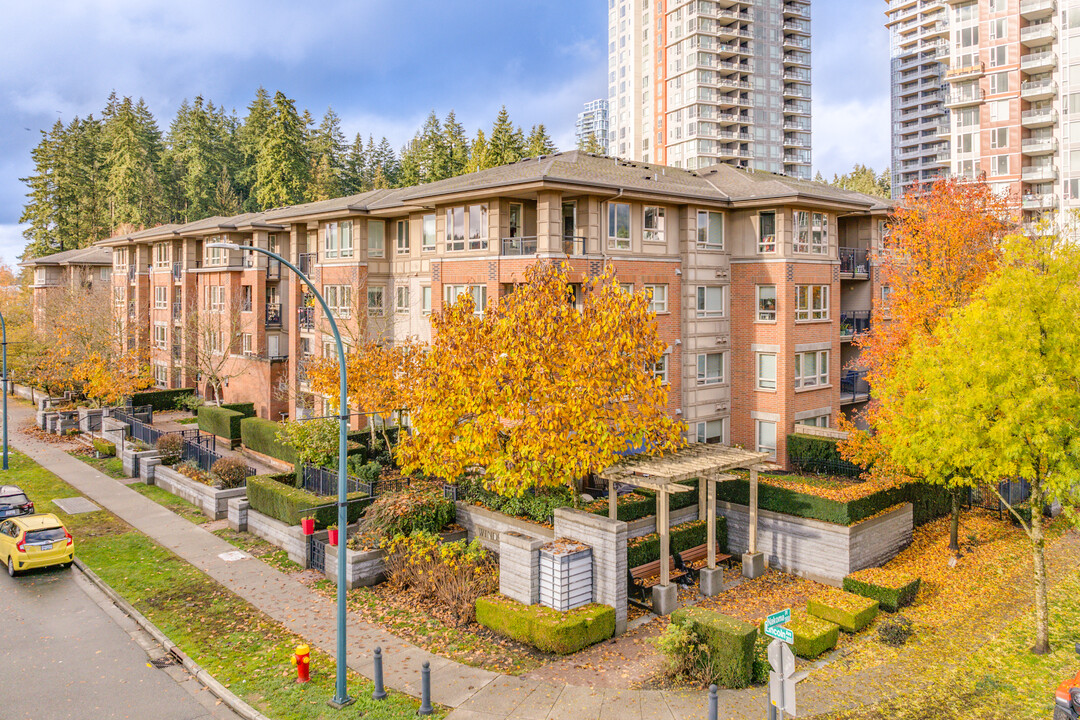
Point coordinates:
pixel 682 567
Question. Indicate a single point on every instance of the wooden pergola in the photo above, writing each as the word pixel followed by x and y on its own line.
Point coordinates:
pixel 664 475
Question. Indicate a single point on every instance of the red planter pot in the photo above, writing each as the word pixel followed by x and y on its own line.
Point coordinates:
pixel 307 526
pixel 333 536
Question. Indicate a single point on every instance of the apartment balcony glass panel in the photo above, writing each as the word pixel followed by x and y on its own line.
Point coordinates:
pixel 1039 146
pixel 516 246
pixel 1039 117
pixel 1039 202
pixel 853 387
pixel 307 263
pixel 852 323
pixel 1038 89
pixel 968 96
pixel 176 271
pixel 177 312
pixel 855 262
pixel 1035 62
pixel 1037 9
pixel 968 72
pixel 273 314
pixel 1037 35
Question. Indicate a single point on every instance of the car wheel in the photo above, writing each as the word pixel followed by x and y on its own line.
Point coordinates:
pixel 10 567
pixel 66 565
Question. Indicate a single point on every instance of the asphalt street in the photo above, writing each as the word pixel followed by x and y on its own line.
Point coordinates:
pixel 67 652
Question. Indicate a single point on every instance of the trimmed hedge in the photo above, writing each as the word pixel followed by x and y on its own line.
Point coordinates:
pixel 683 537
pixel 813 636
pixel 730 642
pixel 220 421
pixel 545 629
pixel 245 409
pixel 275 496
pixel 646 504
pixel 891 597
pixel 810 453
pixel 104 447
pixel 261 436
pixel 161 400
pixel 851 612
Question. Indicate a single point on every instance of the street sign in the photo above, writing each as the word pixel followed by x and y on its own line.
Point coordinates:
pixel 773 626
pixel 781 682
pixel 781 658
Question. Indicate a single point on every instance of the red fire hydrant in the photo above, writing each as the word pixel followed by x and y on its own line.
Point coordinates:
pixel 302 661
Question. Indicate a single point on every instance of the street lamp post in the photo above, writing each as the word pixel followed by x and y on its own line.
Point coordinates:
pixel 341 695
pixel 3 337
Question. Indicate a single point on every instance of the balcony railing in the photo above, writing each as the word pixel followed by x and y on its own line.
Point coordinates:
pixel 176 352
pixel 131 309
pixel 573 245
pixel 306 318
pixel 177 311
pixel 519 246
pixel 273 314
pixel 855 261
pixel 853 387
pixel 131 273
pixel 307 262
pixel 273 270
pixel 176 271
pixel 854 322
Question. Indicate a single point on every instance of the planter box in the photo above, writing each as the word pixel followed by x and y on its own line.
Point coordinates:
pixel 487 526
pixel 287 537
pixel 565 575
pixel 364 568
pixel 213 503
pixel 132 460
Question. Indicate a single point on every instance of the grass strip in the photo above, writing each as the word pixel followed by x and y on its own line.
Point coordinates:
pixel 171 502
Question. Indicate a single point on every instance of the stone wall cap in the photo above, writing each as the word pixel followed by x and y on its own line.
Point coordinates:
pixel 600 522
pixel 520 540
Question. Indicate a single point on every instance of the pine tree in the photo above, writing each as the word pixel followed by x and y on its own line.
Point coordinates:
pixel 200 150
pixel 591 144
pixel 40 212
pixel 353 173
pixel 282 165
pixel 328 158
pixel 132 142
pixel 226 199
pixel 386 161
pixel 507 143
pixel 540 143
pixel 457 146
pixel 410 163
pixel 249 136
pixel 478 153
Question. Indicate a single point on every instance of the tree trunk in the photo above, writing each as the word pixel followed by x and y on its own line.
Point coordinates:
pixel 1038 544
pixel 954 525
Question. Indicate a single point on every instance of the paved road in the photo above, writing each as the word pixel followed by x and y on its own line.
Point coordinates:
pixel 67 652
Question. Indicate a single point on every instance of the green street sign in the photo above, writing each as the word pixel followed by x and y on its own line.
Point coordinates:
pixel 773 627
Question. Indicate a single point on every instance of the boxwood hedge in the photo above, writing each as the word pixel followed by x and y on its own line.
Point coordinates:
pixel 891 595
pixel 245 409
pixel 220 421
pixel 277 497
pixel 161 400
pixel 261 436
pixel 730 643
pixel 683 537
pixel 545 629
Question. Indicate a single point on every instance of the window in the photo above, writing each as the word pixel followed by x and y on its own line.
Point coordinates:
pixel 710 431
pixel 660 368
pixel 812 369
pixel 766 371
pixel 345 241
pixel 120 258
pixel 425 299
pixel 801 242
pixel 401 228
pixel 999 165
pixel 999 138
pixel 245 298
pixel 517 220
pixel 159 336
pixel 216 298
pixel 999 83
pixel 376 301
pixel 710 368
pixel 339 299
pixel 118 295
pixel 161 255
pixel 401 298
pixel 330 240
pixel 821 421
pixel 627 288
pixel 376 240
pixel 245 344
pixel 478 293
pixel 428 241
pixel 710 301
pixel 811 302
pixel 478 227
pixel 215 255
pixel 455 228
pixel 657 298
pixel 819 235
pixel 619 226
pixel 654 224
pixel 766 436
pixel 161 375
pixel 104 273
pixel 161 298
pixel 766 232
pixel 766 303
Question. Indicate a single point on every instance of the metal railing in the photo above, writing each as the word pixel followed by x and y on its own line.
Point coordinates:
pixel 196 451
pixel 176 270
pixel 853 322
pixel 131 273
pixel 273 270
pixel 573 244
pixel 324 482
pixel 821 466
pixel 855 261
pixel 177 311
pixel 306 318
pixel 273 314
pixel 307 262
pixel 854 387
pixel 519 246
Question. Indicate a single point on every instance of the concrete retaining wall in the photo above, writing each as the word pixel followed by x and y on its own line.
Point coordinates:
pixel 287 537
pixel 364 568
pixel 214 503
pixel 488 525
pixel 238 514
pixel 818 550
pixel 607 538
pixel 519 567
pixel 132 460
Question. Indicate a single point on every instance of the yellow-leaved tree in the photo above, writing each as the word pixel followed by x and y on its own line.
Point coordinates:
pixel 539 390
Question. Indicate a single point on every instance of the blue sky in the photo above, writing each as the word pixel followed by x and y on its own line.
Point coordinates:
pixel 381 65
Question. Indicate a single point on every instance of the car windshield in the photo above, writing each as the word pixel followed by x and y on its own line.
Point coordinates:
pixel 16 499
pixel 47 535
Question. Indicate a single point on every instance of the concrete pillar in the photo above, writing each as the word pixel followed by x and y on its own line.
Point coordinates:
pixel 549 221
pixel 607 538
pixel 519 567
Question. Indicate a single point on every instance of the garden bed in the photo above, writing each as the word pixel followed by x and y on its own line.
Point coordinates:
pixel 213 502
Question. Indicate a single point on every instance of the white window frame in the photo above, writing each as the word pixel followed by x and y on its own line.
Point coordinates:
pixel 456 243
pixel 705 293
pixel 330 240
pixel 476 226
pixel 816 421
pixel 246 344
pixel 478 292
pixel 705 239
pixel 339 300
pixel 161 375
pixel 701 431
pixel 764 447
pixel 800 242
pixel 660 368
pixel 161 297
pixel 615 213
pixel 376 301
pixel 161 255
pixel 767 244
pixel 401 230
pixel 376 241
pixel 345 239
pixel 160 336
pixel 819 234
pixel 216 298
pixel 658 298
pixel 703 376
pixel 428 233
pixel 654 231
pixel 762 362
pixel 765 315
pixel 401 298
pixel 820 377
pixel 425 299
pixel 811 303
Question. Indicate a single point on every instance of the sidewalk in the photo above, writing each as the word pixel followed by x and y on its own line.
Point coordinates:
pixel 475 694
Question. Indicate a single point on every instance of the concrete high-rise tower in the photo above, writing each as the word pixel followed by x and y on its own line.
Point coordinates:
pixel 593 121
pixel 692 84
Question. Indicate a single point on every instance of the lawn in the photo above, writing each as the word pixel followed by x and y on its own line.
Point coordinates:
pixel 239 645
pixel 170 502
pixel 111 466
pixel 255 546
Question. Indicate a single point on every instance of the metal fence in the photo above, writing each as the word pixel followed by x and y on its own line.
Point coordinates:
pixel 983 496
pixel 197 451
pixel 323 481
pixel 317 559
pixel 838 468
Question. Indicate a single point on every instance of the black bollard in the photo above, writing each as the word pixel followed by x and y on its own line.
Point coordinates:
pixel 379 693
pixel 425 690
pixel 714 703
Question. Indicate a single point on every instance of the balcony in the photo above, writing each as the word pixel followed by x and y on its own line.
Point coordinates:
pixel 797 9
pixel 1036 35
pixel 1038 90
pixel 1039 202
pixel 855 262
pixel 131 273
pixel 131 310
pixel 518 246
pixel 177 311
pixel 1037 9
pixel 176 354
pixel 573 245
pixel 273 314
pixel 853 387
pixel 969 72
pixel 1039 146
pixel 177 272
pixel 306 318
pixel 968 96
pixel 307 262
pixel 852 323
pixel 1042 173
pixel 1038 117
pixel 273 270
pixel 1037 62
pixel 245 305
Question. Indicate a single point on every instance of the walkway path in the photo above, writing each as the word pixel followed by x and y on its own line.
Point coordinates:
pixel 475 694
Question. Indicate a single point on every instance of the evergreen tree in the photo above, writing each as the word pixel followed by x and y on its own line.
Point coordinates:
pixel 862 178
pixel 539 142
pixel 410 163
pixel 355 162
pixel 282 165
pixel 385 159
pixel 507 143
pixel 133 144
pixel 478 153
pixel 200 152
pixel 328 159
pixel 41 212
pixel 591 144
pixel 457 146
pixel 248 137
pixel 226 199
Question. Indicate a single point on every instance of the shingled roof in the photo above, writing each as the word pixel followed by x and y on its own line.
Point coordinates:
pixel 93 255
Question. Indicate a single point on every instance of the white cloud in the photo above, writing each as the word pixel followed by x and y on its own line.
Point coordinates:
pixel 12 243
pixel 850 132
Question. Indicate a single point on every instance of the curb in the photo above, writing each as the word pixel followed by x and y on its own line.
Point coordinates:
pixel 228 697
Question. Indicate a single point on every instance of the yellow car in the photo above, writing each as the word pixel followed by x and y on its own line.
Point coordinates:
pixel 35 541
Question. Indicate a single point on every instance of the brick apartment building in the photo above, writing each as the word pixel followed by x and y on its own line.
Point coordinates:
pixel 759 281
pixel 56 274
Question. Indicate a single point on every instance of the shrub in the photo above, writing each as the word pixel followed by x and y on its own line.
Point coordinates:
pixel 162 400
pixel 545 629
pixel 706 647
pixel 644 550
pixel 221 422
pixel 892 590
pixel 367 472
pixel 191 403
pixel 231 472
pixel 810 453
pixel 190 469
pixel 106 448
pixel 262 436
pixel 170 447
pixel 276 497
pixel 813 636
pixel 245 409
pixel 538 506
pixel 421 507
pixel 895 631
pixel 452 574
pixel 762 667
pixel 851 612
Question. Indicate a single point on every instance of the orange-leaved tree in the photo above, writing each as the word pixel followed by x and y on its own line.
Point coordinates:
pixel 109 379
pixel 540 391
pixel 943 243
